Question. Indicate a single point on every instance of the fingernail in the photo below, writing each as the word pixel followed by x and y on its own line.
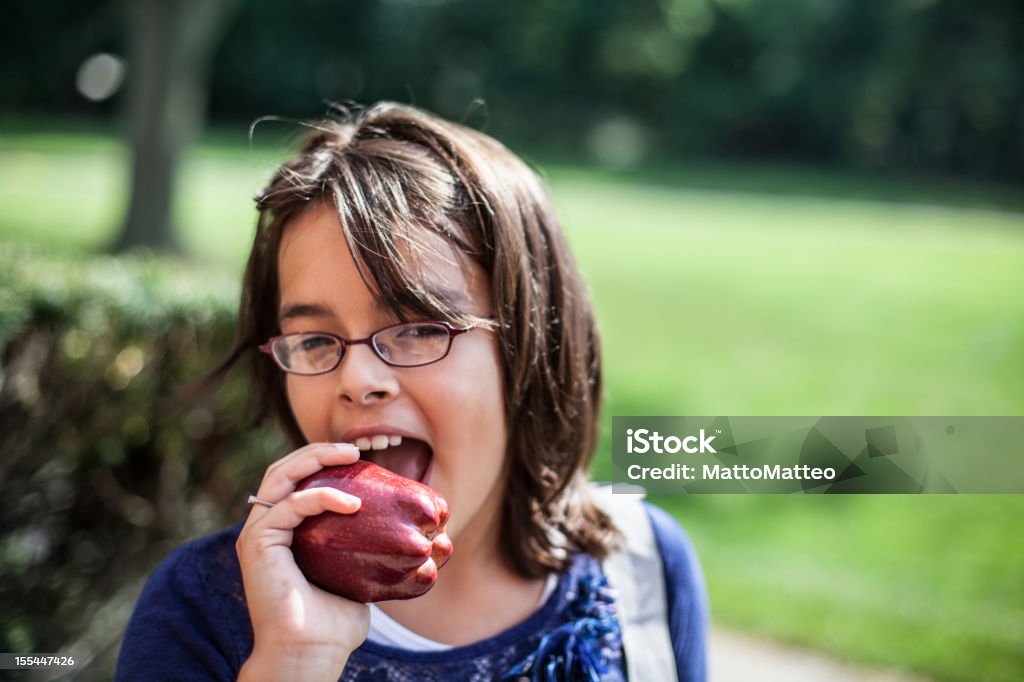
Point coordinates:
pixel 344 446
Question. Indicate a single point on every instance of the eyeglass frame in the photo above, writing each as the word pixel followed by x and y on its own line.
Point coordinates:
pixel 344 343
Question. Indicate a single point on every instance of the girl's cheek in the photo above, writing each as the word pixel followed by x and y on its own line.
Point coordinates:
pixel 449 389
pixel 306 411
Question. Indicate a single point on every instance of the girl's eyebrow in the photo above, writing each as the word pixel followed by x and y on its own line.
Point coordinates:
pixel 453 298
pixel 293 310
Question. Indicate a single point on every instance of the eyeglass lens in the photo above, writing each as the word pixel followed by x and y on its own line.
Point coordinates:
pixel 405 345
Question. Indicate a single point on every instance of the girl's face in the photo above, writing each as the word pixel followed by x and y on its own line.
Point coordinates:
pixel 455 406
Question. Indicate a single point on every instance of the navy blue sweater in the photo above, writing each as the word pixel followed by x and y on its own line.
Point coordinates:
pixel 192 623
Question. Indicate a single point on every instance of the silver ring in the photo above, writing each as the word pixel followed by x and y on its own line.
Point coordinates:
pixel 255 500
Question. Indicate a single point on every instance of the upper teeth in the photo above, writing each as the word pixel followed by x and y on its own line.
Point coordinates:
pixel 377 442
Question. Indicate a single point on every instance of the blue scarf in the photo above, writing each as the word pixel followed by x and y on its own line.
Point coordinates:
pixel 588 647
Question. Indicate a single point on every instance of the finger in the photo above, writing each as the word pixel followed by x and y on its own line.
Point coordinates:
pixel 291 511
pixel 303 452
pixel 282 477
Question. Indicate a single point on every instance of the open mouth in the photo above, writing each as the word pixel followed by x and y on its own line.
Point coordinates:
pixel 408 457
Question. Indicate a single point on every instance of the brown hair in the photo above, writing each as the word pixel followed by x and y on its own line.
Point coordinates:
pixel 391 170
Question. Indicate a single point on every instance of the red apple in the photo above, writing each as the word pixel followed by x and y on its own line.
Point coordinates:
pixel 390 549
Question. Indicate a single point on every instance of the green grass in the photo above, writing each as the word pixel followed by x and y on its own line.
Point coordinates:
pixel 833 294
pixel 929 583
pixel 727 303
pixel 71 196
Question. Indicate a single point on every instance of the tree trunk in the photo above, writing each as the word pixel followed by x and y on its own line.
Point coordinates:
pixel 171 44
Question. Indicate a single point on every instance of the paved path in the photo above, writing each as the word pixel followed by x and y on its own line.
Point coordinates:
pixel 743 658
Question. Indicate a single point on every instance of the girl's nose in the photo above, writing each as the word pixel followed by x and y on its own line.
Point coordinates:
pixel 365 379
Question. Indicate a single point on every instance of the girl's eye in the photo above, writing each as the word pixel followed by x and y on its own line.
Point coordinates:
pixel 310 343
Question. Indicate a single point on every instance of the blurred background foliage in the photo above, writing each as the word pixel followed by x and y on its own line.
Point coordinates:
pixel 781 206
pixel 109 459
pixel 885 84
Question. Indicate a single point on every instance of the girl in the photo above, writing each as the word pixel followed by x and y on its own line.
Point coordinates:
pixel 390 224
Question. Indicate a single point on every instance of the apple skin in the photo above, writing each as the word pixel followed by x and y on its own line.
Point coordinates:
pixel 391 548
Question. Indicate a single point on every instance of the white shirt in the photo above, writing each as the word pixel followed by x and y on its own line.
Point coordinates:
pixel 389 632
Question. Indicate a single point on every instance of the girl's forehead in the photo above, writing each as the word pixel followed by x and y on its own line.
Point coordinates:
pixel 314 257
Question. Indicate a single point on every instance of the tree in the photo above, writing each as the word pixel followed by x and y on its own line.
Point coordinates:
pixel 171 45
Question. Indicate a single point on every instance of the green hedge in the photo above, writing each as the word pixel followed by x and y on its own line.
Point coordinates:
pixel 106 462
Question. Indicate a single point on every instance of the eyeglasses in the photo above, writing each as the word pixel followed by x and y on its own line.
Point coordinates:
pixel 411 344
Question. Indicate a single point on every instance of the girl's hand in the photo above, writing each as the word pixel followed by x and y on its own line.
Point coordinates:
pixel 300 631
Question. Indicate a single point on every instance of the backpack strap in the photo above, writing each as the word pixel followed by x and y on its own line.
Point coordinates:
pixel 636 573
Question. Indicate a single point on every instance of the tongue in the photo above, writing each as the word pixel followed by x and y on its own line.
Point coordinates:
pixel 410 459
